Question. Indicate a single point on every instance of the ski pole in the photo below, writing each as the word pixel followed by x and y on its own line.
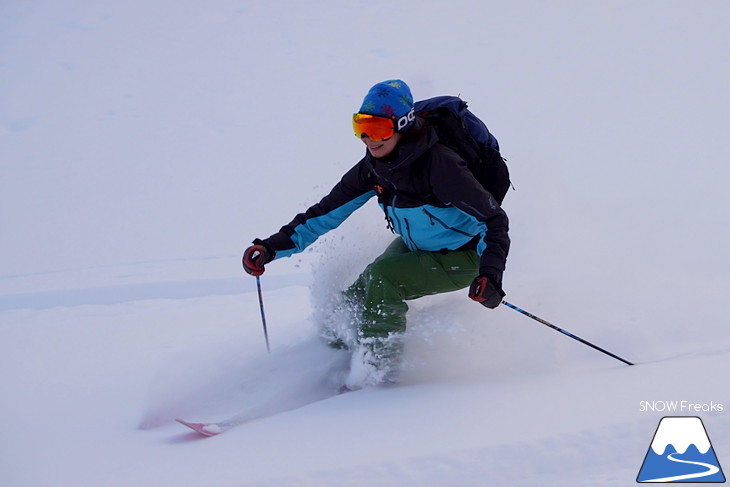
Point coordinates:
pixel 263 315
pixel 585 342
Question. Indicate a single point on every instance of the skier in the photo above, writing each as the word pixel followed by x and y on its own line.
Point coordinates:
pixel 452 232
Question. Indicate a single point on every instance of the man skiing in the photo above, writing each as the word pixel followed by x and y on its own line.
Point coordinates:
pixel 452 232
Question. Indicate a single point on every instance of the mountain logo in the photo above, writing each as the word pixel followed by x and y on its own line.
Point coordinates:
pixel 680 452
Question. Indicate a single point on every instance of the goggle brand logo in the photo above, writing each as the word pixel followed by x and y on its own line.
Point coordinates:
pixel 680 452
pixel 405 120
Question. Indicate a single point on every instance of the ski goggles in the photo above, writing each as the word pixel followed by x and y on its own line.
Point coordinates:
pixel 378 128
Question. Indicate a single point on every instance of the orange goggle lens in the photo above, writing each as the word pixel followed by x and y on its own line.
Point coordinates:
pixel 376 128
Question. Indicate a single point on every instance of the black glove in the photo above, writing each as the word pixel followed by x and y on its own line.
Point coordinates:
pixel 487 290
pixel 256 257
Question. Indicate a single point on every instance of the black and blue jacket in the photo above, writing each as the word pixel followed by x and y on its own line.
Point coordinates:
pixel 429 196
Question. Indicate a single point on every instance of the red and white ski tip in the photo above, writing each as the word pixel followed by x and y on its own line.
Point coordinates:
pixel 205 429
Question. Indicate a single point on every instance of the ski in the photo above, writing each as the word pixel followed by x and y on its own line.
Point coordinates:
pixel 209 429
pixel 220 427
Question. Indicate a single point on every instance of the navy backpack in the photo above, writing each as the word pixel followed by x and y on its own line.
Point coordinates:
pixel 463 132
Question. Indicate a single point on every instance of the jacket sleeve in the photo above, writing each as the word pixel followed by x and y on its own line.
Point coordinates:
pixel 454 184
pixel 348 195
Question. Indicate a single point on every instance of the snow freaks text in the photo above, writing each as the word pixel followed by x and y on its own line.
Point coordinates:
pixel 681 407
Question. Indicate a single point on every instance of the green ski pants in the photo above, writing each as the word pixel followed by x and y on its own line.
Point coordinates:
pixel 400 274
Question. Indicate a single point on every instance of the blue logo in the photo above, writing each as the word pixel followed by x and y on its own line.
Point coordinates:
pixel 681 452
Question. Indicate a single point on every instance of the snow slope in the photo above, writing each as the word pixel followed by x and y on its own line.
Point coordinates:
pixel 144 144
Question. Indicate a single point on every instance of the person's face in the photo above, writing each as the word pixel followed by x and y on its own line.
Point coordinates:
pixel 381 148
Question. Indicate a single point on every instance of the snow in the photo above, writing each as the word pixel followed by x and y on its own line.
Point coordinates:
pixel 690 430
pixel 145 144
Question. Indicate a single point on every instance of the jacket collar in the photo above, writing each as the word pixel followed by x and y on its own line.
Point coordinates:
pixel 413 145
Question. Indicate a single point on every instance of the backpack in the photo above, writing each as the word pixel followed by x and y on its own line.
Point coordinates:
pixel 463 132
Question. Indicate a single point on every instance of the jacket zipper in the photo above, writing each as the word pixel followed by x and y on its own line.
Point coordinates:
pixel 433 219
pixel 401 224
pixel 408 232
